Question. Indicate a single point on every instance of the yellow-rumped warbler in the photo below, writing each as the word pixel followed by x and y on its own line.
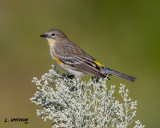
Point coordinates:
pixel 75 60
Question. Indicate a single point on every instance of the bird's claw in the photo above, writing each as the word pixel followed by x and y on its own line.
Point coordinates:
pixel 70 76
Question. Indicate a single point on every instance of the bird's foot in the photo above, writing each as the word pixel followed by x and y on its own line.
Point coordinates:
pixel 107 77
pixel 70 76
pixel 95 78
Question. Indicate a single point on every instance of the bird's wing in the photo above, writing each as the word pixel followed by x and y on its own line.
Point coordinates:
pixel 81 64
pixel 71 53
pixel 74 56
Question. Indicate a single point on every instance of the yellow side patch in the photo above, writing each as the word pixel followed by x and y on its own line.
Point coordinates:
pixel 99 64
pixel 50 41
pixel 58 61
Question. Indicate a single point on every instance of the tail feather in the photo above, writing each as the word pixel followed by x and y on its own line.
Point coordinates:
pixel 105 70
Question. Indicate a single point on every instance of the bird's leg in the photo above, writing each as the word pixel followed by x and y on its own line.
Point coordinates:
pixel 76 86
pixel 107 76
pixel 70 76
pixel 95 78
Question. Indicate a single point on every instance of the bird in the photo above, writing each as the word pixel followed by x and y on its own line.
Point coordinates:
pixel 73 59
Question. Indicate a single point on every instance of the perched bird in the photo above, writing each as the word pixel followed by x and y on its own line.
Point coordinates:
pixel 71 58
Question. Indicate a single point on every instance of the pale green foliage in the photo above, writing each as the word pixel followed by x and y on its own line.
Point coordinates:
pixel 91 105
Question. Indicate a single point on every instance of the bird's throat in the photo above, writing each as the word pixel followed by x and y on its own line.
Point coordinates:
pixel 51 41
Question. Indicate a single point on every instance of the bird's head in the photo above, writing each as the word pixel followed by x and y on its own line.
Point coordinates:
pixel 53 36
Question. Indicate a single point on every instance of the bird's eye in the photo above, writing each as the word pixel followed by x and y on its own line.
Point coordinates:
pixel 53 34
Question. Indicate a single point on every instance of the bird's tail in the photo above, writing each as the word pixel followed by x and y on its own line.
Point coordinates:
pixel 105 70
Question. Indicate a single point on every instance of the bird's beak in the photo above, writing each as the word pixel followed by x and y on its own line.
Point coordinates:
pixel 43 35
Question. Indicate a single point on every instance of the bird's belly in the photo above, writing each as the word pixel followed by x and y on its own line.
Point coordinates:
pixel 70 70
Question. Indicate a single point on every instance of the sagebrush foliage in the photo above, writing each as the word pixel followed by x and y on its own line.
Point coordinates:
pixel 91 105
